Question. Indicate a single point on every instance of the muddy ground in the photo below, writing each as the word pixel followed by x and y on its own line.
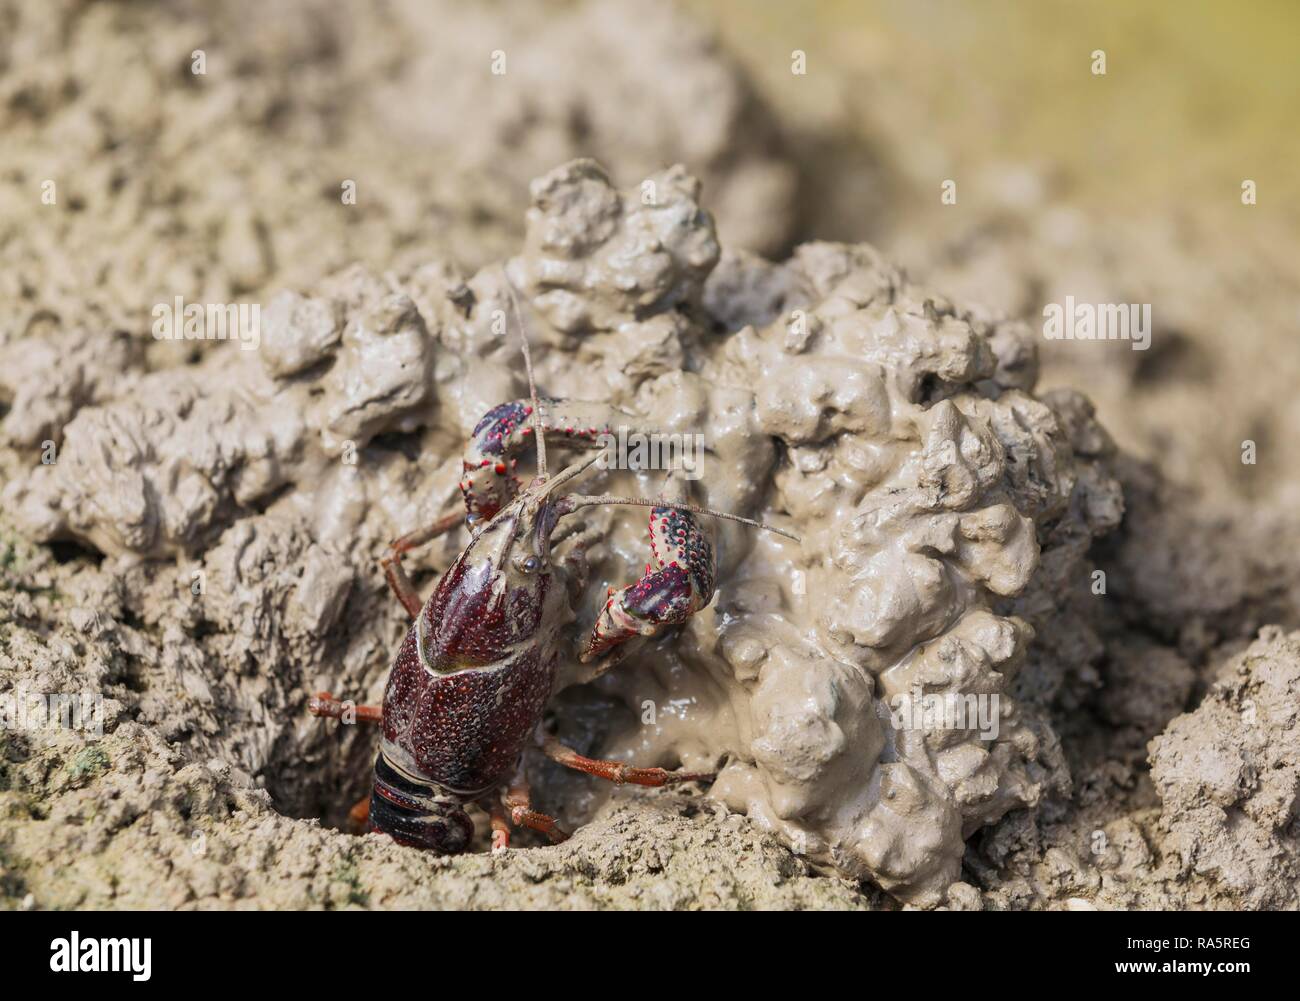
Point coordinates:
pixel 1172 696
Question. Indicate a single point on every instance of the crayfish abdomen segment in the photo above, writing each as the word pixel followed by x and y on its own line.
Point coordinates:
pixel 417 815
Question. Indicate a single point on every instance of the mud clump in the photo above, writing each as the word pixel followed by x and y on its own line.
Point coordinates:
pixel 240 505
pixel 1227 774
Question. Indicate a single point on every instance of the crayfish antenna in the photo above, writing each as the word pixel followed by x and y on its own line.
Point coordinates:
pixel 575 501
pixel 532 383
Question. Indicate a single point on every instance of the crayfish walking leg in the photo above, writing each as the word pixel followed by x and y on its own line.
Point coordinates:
pixel 616 771
pixel 323 704
pixel 395 573
pixel 515 807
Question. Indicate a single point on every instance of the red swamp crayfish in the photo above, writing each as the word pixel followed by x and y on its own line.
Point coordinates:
pixel 467 690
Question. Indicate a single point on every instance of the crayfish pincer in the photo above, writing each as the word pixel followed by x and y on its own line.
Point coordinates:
pixel 469 685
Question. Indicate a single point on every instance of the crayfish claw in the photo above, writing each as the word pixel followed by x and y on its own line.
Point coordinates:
pixel 668 595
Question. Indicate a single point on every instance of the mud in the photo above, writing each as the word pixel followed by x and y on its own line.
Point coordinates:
pixel 922 476
pixel 202 550
pixel 231 183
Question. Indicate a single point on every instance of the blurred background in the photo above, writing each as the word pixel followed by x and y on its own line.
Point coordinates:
pixel 200 149
pixel 1117 188
pixel 1194 92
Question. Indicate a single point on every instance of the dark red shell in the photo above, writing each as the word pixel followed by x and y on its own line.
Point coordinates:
pixel 464 723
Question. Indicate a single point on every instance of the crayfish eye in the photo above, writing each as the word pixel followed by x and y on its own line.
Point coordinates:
pixel 530 565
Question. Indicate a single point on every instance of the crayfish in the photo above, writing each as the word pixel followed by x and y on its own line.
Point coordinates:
pixel 470 683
